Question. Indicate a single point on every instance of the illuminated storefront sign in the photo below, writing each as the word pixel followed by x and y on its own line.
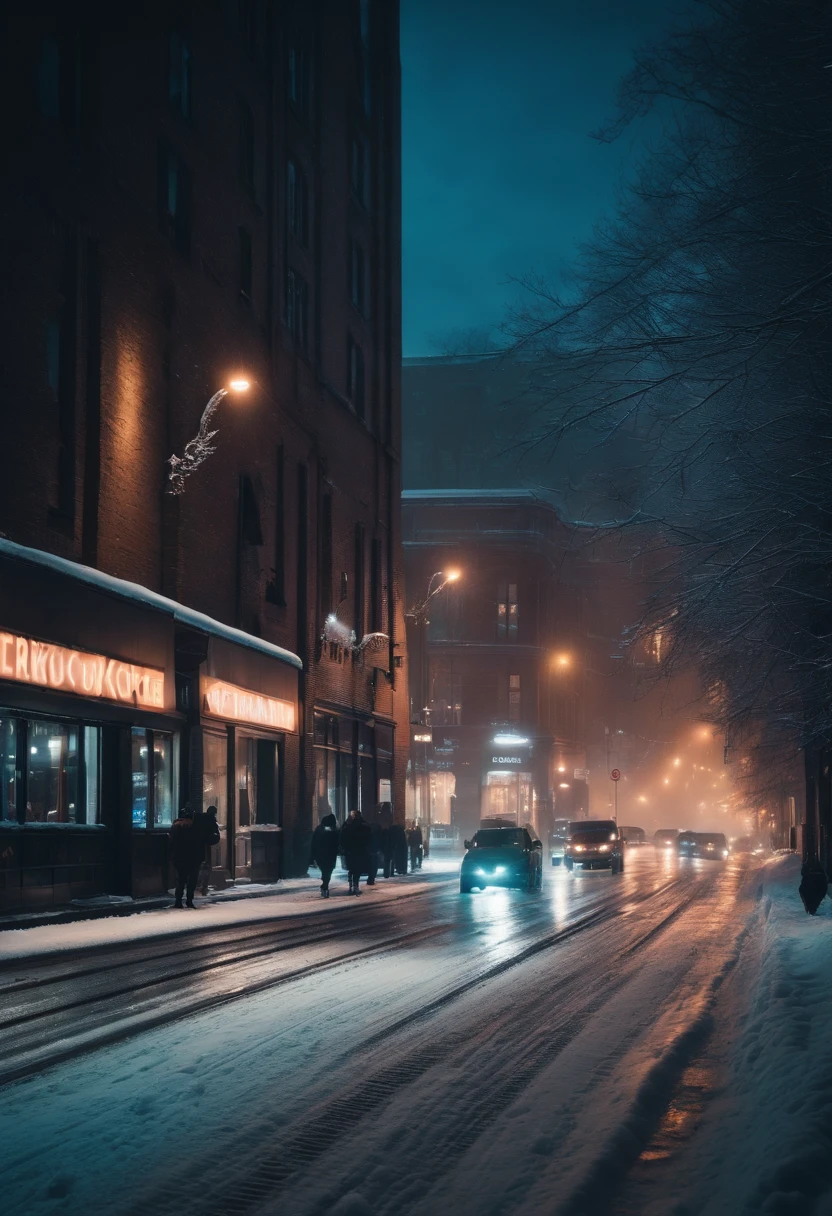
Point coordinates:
pixel 506 759
pixel 221 700
pixel 89 675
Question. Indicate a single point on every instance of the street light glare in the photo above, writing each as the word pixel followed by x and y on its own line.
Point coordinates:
pixel 452 575
pixel 239 384
pixel 563 660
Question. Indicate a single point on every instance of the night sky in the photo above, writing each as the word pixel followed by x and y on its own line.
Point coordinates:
pixel 500 175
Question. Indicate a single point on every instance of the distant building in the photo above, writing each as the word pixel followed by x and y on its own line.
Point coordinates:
pixel 199 191
pixel 496 660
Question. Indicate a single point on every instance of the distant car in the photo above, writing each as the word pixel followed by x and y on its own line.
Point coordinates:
pixel 594 844
pixel 748 844
pixel 712 845
pixel 557 840
pixel 686 844
pixel 633 835
pixel 502 857
pixel 665 838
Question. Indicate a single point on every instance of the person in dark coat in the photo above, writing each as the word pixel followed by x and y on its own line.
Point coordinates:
pixel 414 844
pixel 187 846
pixel 356 838
pixel 399 842
pixel 325 850
pixel 205 823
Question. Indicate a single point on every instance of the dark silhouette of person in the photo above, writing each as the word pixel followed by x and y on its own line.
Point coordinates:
pixel 414 844
pixel 324 851
pixel 376 848
pixel 206 824
pixel 187 845
pixel 356 838
pixel 398 838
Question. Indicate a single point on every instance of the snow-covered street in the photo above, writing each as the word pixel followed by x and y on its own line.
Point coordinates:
pixel 417 1051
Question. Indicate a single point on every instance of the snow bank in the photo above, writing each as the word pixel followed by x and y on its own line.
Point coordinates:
pixel 295 897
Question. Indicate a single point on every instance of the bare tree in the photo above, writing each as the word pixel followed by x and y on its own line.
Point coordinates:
pixel 696 346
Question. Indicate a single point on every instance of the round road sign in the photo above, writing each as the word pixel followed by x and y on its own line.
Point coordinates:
pixel 615 774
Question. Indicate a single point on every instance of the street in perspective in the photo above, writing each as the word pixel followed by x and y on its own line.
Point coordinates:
pixel 415 614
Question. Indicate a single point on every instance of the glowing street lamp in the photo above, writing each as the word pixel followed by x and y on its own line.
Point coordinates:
pixel 447 576
pixel 198 449
pixel 562 661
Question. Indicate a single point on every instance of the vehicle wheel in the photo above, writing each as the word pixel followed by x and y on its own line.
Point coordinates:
pixel 615 867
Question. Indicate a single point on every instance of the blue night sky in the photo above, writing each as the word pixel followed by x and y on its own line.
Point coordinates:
pixel 500 175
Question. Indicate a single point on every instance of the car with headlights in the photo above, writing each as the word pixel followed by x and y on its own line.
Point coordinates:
pixel 665 838
pixel 633 835
pixel 502 857
pixel 557 840
pixel 686 844
pixel 712 845
pixel 594 844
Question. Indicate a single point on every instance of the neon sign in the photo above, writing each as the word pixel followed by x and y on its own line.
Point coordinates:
pixel 221 700
pixel 87 675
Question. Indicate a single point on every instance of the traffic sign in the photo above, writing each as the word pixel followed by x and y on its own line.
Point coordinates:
pixel 616 774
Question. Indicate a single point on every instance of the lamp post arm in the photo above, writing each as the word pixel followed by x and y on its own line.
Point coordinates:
pixel 197 450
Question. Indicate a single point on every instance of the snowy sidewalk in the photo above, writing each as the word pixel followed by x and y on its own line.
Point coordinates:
pixel 293 897
pixel 765 1141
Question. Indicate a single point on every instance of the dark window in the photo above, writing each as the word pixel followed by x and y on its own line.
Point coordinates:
pixel 360 171
pixel 375 586
pixel 179 76
pixel 365 20
pixel 174 199
pixel 297 307
pixel 507 612
pixel 358 277
pixel 276 589
pixel 325 560
pixel 446 694
pixel 359 581
pixel 246 146
pixel 514 698
pixel 355 377
pixel 297 202
pixel 245 264
pixel 298 79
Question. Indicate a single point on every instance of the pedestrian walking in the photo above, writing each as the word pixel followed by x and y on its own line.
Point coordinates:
pixel 206 825
pixel 398 839
pixel 324 852
pixel 414 844
pixel 356 838
pixel 187 844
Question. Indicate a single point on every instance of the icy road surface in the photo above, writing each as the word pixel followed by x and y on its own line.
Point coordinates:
pixel 506 1052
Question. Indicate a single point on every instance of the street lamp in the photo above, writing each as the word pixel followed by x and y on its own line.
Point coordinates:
pixel 198 449
pixel 437 582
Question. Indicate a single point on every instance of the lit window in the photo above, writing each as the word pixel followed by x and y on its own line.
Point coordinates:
pixel 507 612
pixel 154 777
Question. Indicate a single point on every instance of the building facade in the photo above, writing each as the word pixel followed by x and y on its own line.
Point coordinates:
pixel 496 697
pixel 203 193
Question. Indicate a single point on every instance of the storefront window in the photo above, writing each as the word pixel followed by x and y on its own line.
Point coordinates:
pixel 8 765
pixel 92 775
pixel 141 765
pixel 215 790
pixel 162 780
pixel 154 778
pixel 52 778
pixel 246 781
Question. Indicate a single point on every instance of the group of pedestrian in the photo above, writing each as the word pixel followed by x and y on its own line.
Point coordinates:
pixel 365 847
pixel 192 837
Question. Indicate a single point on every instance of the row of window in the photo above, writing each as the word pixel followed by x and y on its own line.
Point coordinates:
pixel 447 621
pixel 50 772
pixel 446 695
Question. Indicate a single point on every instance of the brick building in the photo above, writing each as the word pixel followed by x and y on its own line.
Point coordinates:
pixel 201 191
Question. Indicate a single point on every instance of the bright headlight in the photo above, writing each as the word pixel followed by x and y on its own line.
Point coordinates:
pixel 499 869
pixel 479 870
pixel 604 848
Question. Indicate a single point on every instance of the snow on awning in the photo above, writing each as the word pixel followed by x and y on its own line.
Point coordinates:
pixel 143 595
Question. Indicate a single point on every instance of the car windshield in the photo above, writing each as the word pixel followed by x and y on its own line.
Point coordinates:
pixel 596 829
pixel 499 838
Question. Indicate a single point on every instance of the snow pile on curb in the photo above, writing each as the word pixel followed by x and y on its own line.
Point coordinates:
pixel 783 1069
